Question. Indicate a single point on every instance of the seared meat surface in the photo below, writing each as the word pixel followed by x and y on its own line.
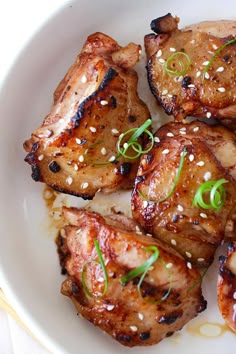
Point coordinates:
pixel 226 287
pixel 210 156
pixel 129 318
pixel 188 91
pixel 74 151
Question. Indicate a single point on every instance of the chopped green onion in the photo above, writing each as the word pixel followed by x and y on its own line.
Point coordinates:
pixel 216 197
pixel 231 41
pixel 133 143
pixel 182 156
pixel 101 262
pixel 143 269
pixel 183 61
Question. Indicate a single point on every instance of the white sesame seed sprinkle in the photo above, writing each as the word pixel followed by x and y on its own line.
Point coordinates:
pixel 149 235
pixel 214 46
pixel 170 134
pixel 110 307
pixel 156 139
pixel 192 41
pixel 200 259
pixel 164 92
pixel 100 279
pixel 125 146
pixel 78 141
pixel 221 89
pixel 169 265
pixel 92 129
pixel 188 254
pixel 103 151
pixel 220 69
pixel 169 95
pixel 234 307
pixel 191 85
pixel 165 151
pixel 84 185
pixel 198 73
pixel 162 61
pixel 159 53
pixel 145 203
pixel 115 131
pixel 234 295
pixel 183 129
pixel 180 78
pixel 172 49
pixel 189 265
pixel 69 180
pixel 41 157
pixel 203 215
pixel 112 158
pixel 78 231
pixel 133 328
pixel 104 102
pixel 206 75
pixel 191 157
pixel 182 132
pixel 140 316
pixel 208 114
pixel 173 242
pixel 200 163
pixel 81 158
pixel 196 129
pixel 76 167
pixel 205 63
pixel 180 208
pixel 207 176
pixel 84 79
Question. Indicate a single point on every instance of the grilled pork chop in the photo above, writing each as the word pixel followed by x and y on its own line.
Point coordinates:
pixel 226 288
pixel 210 156
pixel 177 68
pixel 129 317
pixel 74 151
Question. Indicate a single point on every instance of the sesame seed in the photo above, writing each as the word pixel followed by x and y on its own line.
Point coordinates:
pixel 140 316
pixel 200 163
pixel 76 167
pixel 214 46
pixel 159 53
pixel 189 265
pixel 69 180
pixel 203 215
pixel 196 129
pixel 169 95
pixel 112 158
pixel 220 69
pixel 162 61
pixel 173 242
pixel 170 134
pixel 172 49
pixel 234 307
pixel 78 141
pixel 149 235
pixel 133 328
pixel 183 129
pixel 166 151
pixel 234 295
pixel 207 176
pixel 110 307
pixel 137 228
pixel 84 185
pixel 208 115
pixel 103 151
pixel 100 279
pixel 140 51
pixel 115 131
pixel 84 79
pixel 221 89
pixel 41 157
pixel 180 78
pixel 169 265
pixel 81 158
pixel 191 157
pixel 78 231
pixel 126 145
pixel 48 194
pixel 156 139
pixel 205 63
pixel 182 132
pixel 192 41
pixel 180 208
pixel 188 254
pixel 164 92
pixel 92 129
pixel 200 259
pixel 198 73
pixel 206 75
pixel 63 233
pixel 145 203
pixel 191 85
pixel 104 102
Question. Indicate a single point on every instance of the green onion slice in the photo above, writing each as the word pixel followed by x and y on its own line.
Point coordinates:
pixel 181 162
pixel 133 143
pixel 214 192
pixel 231 41
pixel 101 262
pixel 181 59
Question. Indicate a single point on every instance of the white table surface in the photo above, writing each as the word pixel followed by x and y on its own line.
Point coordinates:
pixel 19 19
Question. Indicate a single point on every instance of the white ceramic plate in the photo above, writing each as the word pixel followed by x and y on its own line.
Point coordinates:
pixel 29 266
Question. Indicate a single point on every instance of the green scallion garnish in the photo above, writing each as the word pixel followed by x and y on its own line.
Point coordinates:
pixel 180 61
pixel 231 41
pixel 181 162
pixel 102 264
pixel 214 192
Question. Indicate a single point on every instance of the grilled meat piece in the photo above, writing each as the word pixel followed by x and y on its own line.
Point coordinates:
pixel 95 102
pixel 210 155
pixel 121 311
pixel 226 287
pixel 188 92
